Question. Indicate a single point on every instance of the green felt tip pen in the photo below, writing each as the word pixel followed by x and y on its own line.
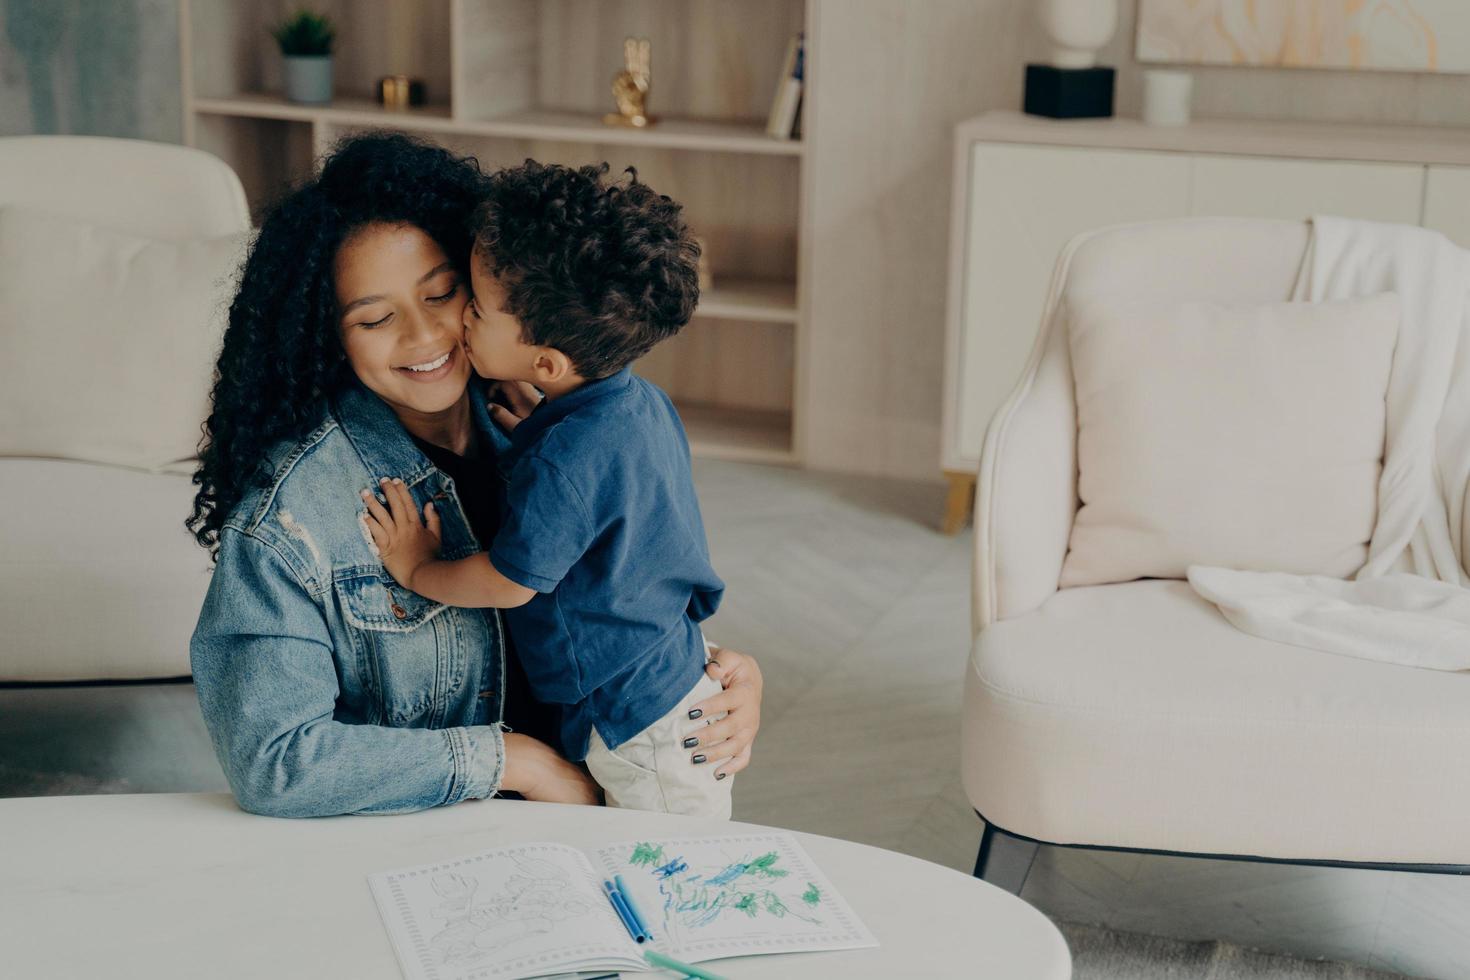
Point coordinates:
pixel 669 963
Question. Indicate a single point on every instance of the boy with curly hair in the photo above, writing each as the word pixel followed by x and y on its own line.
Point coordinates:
pixel 601 562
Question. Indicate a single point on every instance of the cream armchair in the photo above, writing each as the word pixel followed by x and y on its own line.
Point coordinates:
pixel 1133 716
pixel 98 578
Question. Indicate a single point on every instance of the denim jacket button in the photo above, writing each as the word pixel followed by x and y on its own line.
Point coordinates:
pixel 399 612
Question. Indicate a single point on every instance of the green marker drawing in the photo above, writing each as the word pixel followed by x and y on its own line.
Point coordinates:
pixel 776 907
pixel 765 867
pixel 812 895
pixel 646 854
pixel 747 904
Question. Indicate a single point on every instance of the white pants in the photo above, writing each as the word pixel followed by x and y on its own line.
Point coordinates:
pixel 652 771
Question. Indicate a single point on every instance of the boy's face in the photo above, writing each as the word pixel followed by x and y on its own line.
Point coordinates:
pixel 492 337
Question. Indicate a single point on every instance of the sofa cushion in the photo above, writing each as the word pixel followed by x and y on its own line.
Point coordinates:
pixel 99 579
pixel 1249 437
pixel 107 340
pixel 1135 716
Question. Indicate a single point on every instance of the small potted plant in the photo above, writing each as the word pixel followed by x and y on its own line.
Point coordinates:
pixel 306 46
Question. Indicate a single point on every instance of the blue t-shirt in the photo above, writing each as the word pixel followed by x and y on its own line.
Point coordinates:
pixel 602 521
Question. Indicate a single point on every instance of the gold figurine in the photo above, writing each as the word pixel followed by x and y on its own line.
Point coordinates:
pixel 630 86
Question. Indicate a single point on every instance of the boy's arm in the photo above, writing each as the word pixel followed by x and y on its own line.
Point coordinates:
pixel 409 549
pixel 470 582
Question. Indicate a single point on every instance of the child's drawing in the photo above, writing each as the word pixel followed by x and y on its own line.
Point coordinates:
pixel 754 887
pixel 537 896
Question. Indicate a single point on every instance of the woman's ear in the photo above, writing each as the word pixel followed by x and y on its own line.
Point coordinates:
pixel 551 366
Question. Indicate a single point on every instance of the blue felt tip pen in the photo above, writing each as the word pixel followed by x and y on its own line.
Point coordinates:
pixel 621 908
pixel 638 918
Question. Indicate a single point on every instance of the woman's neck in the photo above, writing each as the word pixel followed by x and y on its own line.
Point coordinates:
pixel 452 429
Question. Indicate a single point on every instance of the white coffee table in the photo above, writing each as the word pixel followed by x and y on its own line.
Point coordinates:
pixel 187 885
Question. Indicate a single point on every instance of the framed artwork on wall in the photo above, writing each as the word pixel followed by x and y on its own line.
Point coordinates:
pixel 1384 35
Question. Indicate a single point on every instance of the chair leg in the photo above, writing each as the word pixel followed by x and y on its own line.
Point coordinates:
pixel 1005 861
pixel 987 838
pixel 960 503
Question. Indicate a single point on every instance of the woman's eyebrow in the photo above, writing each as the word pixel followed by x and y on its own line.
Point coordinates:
pixel 362 301
pixel 441 267
pixel 367 300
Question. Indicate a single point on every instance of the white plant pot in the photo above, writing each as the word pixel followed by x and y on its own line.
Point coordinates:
pixel 1077 29
pixel 309 79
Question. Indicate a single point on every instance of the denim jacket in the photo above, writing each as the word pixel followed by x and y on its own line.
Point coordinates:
pixel 326 687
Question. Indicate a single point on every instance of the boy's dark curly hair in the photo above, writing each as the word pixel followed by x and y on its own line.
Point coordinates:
pixel 282 355
pixel 602 271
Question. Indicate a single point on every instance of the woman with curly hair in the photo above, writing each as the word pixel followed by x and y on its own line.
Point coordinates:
pixel 326 687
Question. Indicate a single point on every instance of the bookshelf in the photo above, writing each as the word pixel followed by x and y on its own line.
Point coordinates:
pixel 510 79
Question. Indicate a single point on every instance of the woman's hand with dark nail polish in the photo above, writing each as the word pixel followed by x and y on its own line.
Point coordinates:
pixel 697 758
pixel 696 713
pixel 691 741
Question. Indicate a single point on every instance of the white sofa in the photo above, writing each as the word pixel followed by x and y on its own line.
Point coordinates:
pixel 99 580
pixel 1134 716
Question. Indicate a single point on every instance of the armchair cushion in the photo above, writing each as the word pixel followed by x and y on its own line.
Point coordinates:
pixel 108 339
pixel 1247 436
pixel 1135 716
pixel 99 580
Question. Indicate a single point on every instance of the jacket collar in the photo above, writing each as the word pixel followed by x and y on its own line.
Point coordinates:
pixel 385 446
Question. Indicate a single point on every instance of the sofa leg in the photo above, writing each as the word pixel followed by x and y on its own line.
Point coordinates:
pixel 1005 861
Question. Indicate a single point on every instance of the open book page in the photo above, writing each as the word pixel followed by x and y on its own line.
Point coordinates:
pixel 521 911
pixel 711 897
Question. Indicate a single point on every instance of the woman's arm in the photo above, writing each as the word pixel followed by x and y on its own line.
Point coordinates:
pixel 267 685
pixel 729 740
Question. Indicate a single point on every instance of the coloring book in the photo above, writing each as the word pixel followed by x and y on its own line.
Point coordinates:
pixel 535 909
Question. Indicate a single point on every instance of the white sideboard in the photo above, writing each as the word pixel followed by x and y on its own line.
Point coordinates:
pixel 1024 186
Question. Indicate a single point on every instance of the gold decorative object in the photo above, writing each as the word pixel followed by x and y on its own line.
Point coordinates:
pixel 400 91
pixel 630 86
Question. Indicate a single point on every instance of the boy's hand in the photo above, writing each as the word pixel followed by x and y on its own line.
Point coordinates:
pixel 521 399
pixel 404 542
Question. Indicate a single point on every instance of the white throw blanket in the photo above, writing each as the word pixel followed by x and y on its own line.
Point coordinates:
pixel 1410 603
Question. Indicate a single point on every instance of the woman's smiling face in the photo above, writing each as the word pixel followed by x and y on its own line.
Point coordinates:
pixel 402 306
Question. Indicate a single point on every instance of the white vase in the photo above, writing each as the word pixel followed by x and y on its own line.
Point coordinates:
pixel 1166 96
pixel 1077 29
pixel 309 78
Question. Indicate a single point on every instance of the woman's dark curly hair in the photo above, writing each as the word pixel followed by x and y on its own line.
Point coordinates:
pixel 602 271
pixel 282 356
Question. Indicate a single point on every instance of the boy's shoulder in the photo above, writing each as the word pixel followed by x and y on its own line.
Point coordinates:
pixel 639 409
pixel 621 429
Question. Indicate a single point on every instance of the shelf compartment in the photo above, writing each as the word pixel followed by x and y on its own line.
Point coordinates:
pixel 762 300
pixel 732 382
pixel 268 155
pixel 745 207
pixel 743 434
pixel 232 50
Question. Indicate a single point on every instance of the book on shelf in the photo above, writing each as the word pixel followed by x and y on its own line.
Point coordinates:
pixel 786 106
pixel 537 909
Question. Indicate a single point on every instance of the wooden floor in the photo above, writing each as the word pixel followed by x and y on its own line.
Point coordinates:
pixel 859 611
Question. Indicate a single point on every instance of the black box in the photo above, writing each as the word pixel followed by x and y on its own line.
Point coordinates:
pixel 1069 93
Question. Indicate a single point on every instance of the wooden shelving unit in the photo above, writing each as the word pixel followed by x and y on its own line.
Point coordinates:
pixel 510 79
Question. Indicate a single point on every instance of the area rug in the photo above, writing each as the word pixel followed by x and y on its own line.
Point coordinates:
pixel 1104 954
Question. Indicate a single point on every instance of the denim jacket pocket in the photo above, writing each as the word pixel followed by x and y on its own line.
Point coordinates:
pixel 372 602
pixel 396 633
